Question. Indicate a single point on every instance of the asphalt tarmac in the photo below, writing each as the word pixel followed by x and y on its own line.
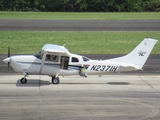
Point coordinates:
pixel 111 97
pixel 80 25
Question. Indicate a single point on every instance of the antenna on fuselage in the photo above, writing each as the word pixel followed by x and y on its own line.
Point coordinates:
pixel 64 45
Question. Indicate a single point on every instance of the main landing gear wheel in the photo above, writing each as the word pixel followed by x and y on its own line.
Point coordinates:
pixel 55 80
pixel 23 80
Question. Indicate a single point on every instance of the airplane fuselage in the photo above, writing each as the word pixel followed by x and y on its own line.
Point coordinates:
pixel 32 65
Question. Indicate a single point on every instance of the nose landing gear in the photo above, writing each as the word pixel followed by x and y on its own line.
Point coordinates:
pixel 24 80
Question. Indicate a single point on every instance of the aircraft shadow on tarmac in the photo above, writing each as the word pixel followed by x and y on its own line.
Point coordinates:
pixel 37 83
pixel 33 83
pixel 110 83
pixel 118 83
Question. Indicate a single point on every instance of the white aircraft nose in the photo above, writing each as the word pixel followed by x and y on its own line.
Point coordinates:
pixel 6 60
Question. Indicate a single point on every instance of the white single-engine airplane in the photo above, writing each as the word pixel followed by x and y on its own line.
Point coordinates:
pixel 55 60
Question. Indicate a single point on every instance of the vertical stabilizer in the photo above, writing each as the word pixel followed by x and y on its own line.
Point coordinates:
pixel 139 55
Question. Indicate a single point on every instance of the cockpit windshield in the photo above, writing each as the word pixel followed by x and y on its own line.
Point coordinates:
pixel 38 54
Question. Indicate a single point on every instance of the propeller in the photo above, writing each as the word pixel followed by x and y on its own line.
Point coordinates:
pixel 8 56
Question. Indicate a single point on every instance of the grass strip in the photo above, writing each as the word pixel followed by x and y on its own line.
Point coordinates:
pixel 81 15
pixel 28 42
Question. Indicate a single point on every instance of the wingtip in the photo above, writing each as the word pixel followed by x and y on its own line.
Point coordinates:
pixel 152 40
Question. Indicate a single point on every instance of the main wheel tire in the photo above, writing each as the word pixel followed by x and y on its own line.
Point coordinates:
pixel 23 80
pixel 55 80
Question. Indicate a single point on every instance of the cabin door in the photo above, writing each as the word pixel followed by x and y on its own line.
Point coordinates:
pixel 64 62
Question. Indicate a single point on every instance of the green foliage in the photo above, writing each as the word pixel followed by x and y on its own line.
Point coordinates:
pixel 80 5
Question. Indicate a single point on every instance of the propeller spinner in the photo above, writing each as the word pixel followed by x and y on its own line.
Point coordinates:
pixel 8 56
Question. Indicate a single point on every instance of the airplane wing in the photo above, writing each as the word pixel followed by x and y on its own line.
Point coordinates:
pixel 55 49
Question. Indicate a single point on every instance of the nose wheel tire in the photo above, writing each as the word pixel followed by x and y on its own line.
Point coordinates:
pixel 55 80
pixel 23 80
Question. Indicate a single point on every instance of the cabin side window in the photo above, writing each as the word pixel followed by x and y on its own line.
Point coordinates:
pixel 53 58
pixel 74 59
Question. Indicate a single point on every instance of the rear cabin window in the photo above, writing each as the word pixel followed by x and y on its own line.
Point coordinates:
pixel 85 59
pixel 75 59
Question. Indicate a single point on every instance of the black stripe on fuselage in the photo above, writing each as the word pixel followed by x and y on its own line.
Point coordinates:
pixel 76 67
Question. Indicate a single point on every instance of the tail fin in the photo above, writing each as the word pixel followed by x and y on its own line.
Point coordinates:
pixel 139 55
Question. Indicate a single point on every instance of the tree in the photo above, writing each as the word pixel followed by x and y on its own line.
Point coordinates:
pixel 81 5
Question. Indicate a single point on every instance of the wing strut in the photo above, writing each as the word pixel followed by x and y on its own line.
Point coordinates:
pixel 42 63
